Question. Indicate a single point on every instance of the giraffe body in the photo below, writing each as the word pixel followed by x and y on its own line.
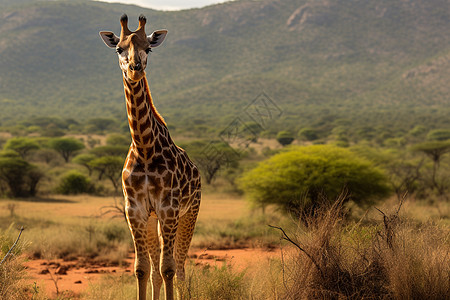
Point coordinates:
pixel 161 184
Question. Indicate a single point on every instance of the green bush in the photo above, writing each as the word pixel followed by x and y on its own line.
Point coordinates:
pixel 285 138
pixel 301 177
pixel 74 182
pixel 308 134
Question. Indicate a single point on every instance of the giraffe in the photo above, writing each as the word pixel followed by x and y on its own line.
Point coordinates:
pixel 161 185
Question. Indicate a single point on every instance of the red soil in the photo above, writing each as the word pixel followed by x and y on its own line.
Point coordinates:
pixel 74 276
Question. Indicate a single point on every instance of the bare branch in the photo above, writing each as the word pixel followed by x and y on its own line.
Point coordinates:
pixel 12 247
pixel 287 238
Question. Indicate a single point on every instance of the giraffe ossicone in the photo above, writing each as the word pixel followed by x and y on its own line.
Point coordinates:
pixel 161 185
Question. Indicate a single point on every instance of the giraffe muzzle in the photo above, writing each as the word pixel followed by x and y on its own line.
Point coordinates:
pixel 136 67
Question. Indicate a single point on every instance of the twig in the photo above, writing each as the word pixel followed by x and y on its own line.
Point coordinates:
pixel 12 247
pixel 282 265
pixel 287 238
pixel 55 280
pixel 401 202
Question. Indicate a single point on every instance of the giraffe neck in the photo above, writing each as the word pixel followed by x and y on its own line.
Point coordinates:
pixel 146 124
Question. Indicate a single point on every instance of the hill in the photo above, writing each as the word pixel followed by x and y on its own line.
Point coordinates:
pixel 324 63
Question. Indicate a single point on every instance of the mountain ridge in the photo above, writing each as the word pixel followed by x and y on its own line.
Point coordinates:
pixel 349 57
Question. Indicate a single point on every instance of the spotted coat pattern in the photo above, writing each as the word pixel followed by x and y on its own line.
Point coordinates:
pixel 161 185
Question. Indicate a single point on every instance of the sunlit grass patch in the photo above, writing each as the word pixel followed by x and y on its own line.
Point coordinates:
pixel 113 287
pixel 249 231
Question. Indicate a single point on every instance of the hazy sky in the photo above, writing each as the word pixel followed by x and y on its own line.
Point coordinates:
pixel 169 4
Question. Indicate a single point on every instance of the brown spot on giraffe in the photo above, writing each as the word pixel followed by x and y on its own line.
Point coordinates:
pixel 156 172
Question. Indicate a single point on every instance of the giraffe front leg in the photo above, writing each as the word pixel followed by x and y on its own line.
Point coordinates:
pixel 168 226
pixel 155 252
pixel 138 227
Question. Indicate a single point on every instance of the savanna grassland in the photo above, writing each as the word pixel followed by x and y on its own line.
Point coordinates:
pixel 321 130
pixel 395 249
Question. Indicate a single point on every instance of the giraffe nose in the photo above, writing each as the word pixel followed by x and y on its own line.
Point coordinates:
pixel 136 67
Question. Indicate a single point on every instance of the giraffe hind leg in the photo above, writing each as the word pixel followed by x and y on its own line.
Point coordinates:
pixel 185 231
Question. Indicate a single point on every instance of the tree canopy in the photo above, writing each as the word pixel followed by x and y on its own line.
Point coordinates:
pixel 21 145
pixel 299 177
pixel 66 146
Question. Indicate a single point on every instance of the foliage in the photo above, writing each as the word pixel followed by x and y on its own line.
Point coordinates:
pixel 439 135
pixel 45 155
pixel 85 160
pixel 403 168
pixel 308 134
pixel 20 176
pixel 116 139
pixel 110 150
pixel 66 146
pixel 340 76
pixel 110 167
pixel 101 125
pixel 285 138
pixel 435 150
pixel 73 182
pixel 21 145
pixel 211 157
pixel 301 177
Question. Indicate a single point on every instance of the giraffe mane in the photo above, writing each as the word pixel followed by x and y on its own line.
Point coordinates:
pixel 158 117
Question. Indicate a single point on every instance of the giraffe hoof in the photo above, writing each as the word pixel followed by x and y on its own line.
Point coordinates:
pixel 169 274
pixel 140 274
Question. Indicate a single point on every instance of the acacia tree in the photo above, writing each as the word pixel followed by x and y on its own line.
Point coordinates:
pixel 211 157
pixel 434 150
pixel 21 145
pixel 66 146
pixel 299 178
pixel 85 160
pixel 110 167
pixel 19 176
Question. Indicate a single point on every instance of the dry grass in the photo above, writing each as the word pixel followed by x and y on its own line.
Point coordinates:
pixel 394 259
pixel 398 256
pixel 12 274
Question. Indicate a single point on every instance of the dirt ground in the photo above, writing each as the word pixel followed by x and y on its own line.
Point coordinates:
pixel 74 276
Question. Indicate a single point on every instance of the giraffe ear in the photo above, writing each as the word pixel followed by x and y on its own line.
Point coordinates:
pixel 157 37
pixel 110 39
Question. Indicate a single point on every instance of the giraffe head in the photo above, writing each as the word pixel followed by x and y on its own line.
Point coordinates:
pixel 133 48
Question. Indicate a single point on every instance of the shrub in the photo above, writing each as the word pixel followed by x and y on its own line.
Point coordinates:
pixel 74 182
pixel 308 134
pixel 285 138
pixel 301 177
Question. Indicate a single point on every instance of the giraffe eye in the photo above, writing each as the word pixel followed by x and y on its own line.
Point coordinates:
pixel 148 50
pixel 119 50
